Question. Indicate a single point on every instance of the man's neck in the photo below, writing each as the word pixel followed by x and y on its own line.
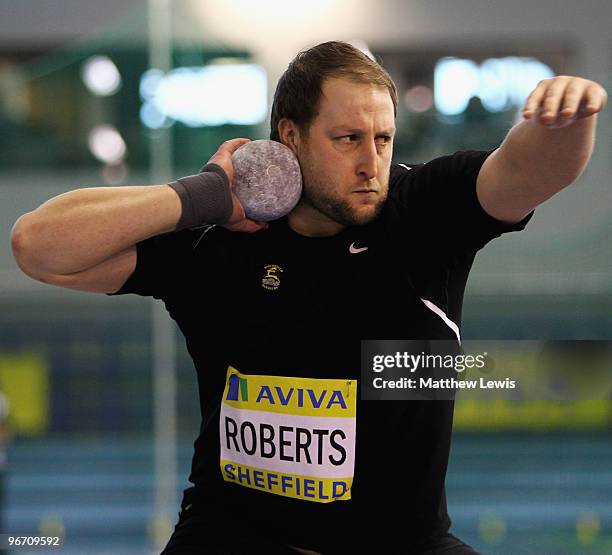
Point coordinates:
pixel 310 222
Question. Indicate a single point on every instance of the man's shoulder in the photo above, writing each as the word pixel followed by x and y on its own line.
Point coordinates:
pixel 399 169
pixel 462 165
pixel 405 171
pixel 405 178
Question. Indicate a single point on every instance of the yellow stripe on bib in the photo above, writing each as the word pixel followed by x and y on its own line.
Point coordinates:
pixel 289 395
pixel 308 488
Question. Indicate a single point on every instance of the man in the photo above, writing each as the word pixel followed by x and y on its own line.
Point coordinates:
pixel 288 453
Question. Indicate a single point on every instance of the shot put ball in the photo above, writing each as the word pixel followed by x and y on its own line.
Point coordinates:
pixel 267 179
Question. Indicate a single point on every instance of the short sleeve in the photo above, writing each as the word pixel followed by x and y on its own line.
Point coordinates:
pixel 164 264
pixel 439 199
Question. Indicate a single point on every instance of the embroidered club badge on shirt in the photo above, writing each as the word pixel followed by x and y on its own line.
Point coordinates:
pixel 271 278
pixel 289 436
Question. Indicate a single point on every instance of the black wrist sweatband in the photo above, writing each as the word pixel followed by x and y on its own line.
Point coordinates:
pixel 205 198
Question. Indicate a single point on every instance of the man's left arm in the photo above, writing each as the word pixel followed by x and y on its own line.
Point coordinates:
pixel 546 151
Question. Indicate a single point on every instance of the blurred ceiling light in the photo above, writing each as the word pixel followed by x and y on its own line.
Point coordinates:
pixel 419 98
pixel 277 10
pixel 225 60
pixel 500 83
pixel 362 45
pixel 455 82
pixel 101 75
pixel 149 82
pixel 152 117
pixel 106 144
pixel 115 174
pixel 197 96
pixel 506 82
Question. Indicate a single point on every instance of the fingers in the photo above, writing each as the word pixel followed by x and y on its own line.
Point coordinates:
pixel 223 156
pixel 250 226
pixel 227 148
pixel 233 144
pixel 563 99
pixel 547 98
pixel 572 99
pixel 246 226
pixel 552 100
pixel 238 220
pixel 596 98
pixel 533 100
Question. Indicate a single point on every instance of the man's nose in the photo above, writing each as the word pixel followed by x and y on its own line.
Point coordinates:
pixel 368 161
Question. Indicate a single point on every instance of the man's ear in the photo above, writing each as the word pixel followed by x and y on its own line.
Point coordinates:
pixel 289 134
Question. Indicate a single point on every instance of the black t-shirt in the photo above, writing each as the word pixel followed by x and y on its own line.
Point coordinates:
pixel 273 321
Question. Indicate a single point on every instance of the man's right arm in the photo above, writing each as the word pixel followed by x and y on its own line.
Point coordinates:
pixel 86 239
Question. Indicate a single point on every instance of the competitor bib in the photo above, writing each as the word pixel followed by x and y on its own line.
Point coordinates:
pixel 289 436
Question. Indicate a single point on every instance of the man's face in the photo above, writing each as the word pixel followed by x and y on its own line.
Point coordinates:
pixel 346 157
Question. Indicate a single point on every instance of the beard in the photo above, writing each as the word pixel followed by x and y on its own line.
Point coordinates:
pixel 337 209
pixel 317 193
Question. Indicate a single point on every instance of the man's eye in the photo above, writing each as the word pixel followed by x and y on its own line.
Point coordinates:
pixel 352 138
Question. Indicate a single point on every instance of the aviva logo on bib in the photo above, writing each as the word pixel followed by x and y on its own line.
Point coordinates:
pixel 289 436
pixel 237 385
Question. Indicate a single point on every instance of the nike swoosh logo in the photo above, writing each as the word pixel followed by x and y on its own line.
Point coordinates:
pixel 354 250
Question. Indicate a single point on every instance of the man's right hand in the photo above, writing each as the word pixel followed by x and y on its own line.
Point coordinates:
pixel 223 157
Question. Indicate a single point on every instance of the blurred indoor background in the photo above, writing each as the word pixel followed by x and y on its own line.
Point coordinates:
pixel 101 394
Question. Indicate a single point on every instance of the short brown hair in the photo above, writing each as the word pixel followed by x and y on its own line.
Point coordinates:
pixel 298 92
